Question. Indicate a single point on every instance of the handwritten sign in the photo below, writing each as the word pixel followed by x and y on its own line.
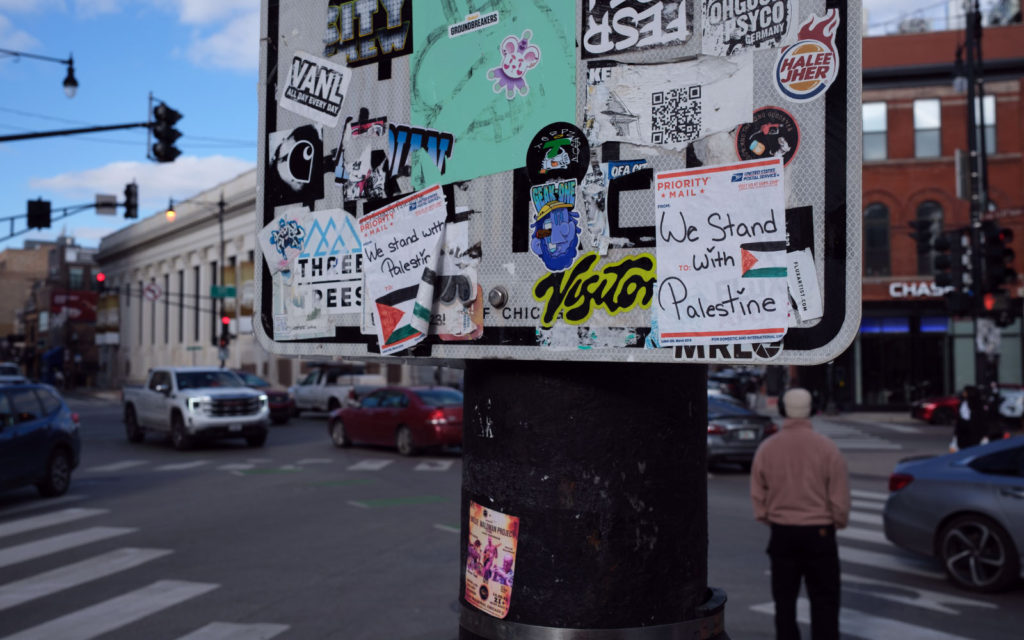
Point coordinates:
pixel 401 247
pixel 721 239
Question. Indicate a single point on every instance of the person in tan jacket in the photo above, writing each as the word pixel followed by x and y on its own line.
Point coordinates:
pixel 800 487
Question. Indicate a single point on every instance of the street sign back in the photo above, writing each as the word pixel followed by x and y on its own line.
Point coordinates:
pixel 443 184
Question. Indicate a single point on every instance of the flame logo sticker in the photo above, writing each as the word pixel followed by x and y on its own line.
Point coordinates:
pixel 806 69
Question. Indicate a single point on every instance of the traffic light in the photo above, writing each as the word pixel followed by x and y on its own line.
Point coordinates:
pixel 924 234
pixel 225 332
pixel 953 270
pixel 164 119
pixel 945 263
pixel 101 281
pixel 39 214
pixel 131 200
pixel 996 257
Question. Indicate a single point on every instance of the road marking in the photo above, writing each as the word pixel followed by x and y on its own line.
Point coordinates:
pixel 356 503
pixel 115 613
pixel 864 535
pixel 118 466
pixel 289 467
pixel 47 520
pixel 239 466
pixel 866 518
pixel 890 562
pixel 372 464
pixel 869 495
pixel 904 594
pixel 434 465
pixel 258 460
pixel 398 502
pixel 181 466
pixel 314 461
pixel 72 575
pixel 848 437
pixel 229 631
pixel 856 624
pixel 444 527
pixel 46 546
pixel 867 445
pixel 36 505
pixel 867 504
pixel 898 428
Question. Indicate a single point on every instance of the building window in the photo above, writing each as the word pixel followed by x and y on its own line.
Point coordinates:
pixel 927 124
pixel 76 278
pixel 167 308
pixel 876 240
pixel 875 127
pixel 929 211
pixel 195 304
pixel 181 306
pixel 214 320
pixel 152 317
pixel 141 307
pixel 985 112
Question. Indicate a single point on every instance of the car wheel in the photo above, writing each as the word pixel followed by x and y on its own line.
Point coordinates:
pixel 403 441
pixel 943 416
pixel 338 435
pixel 978 554
pixel 58 475
pixel 131 426
pixel 333 404
pixel 179 437
pixel 256 440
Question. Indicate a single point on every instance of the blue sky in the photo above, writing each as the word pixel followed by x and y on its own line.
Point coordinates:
pixel 199 56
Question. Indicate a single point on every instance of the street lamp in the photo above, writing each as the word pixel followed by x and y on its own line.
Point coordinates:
pixel 70 83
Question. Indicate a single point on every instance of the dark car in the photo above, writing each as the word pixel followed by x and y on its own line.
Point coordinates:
pixel 964 508
pixel 39 441
pixel 734 432
pixel 282 404
pixel 408 418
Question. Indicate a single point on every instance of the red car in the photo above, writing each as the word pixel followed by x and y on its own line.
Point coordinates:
pixel 408 418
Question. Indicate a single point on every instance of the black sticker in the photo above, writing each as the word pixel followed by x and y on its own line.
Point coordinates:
pixel 362 32
pixel 559 151
pixel 772 133
pixel 296 168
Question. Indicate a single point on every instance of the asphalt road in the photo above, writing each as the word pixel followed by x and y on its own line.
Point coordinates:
pixel 302 540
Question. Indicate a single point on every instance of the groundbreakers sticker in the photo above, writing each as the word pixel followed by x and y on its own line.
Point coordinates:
pixel 490 559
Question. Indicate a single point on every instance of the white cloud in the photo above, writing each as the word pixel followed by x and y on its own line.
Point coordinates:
pixel 11 38
pixel 207 11
pixel 236 46
pixel 25 6
pixel 93 8
pixel 183 178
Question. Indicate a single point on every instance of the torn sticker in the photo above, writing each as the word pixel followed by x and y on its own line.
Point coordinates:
pixel 731 27
pixel 295 173
pixel 401 248
pixel 315 88
pixel 296 314
pixel 667 105
pixel 457 313
pixel 595 198
pixel 490 559
pixel 563 337
pixel 555 229
pixel 331 263
pixel 807 68
pixel 283 238
pixel 363 168
pixel 620 26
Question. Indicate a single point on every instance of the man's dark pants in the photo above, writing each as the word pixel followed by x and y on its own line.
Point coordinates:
pixel 807 552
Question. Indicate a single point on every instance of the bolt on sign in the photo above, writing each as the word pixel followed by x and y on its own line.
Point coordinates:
pixel 619 181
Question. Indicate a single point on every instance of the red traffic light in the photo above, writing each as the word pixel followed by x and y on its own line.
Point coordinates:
pixel 101 277
pixel 225 320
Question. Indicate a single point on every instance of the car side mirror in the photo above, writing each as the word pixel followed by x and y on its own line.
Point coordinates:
pixel 162 388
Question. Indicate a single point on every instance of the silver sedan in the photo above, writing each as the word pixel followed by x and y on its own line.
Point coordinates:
pixel 965 508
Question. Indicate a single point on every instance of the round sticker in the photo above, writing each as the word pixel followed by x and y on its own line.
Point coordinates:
pixel 772 133
pixel 559 151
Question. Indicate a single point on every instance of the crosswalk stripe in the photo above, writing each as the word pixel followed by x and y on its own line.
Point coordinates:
pixel 370 464
pixel 856 624
pixel 72 575
pixel 867 504
pixel 36 505
pixel 864 535
pixel 229 631
pixel 46 546
pixel 434 465
pixel 181 466
pixel 47 520
pixel 912 596
pixel 115 613
pixel 237 466
pixel 314 461
pixel 888 561
pixel 118 466
pixel 868 445
pixel 898 428
pixel 869 495
pixel 444 527
pixel 866 518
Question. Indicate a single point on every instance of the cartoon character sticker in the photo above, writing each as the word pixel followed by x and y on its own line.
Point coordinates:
pixel 805 70
pixel 517 57
pixel 491 559
pixel 555 231
pixel 295 171
pixel 559 151
pixel 284 238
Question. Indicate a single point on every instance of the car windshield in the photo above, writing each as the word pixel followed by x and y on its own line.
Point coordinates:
pixel 440 397
pixel 203 379
pixel 7 369
pixel 253 380
pixel 719 408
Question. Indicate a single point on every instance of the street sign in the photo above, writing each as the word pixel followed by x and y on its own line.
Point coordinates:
pixel 222 291
pixel 152 292
pixel 464 182
pixel 106 204
pixel 194 347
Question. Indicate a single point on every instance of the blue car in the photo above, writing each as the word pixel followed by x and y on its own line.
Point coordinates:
pixel 39 442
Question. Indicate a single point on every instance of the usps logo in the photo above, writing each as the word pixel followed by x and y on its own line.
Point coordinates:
pixel 806 69
pixel 737 177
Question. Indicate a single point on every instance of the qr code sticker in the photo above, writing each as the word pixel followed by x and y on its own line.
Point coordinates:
pixel 675 115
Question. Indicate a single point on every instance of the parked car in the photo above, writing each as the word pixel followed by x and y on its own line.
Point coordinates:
pixel 282 405
pixel 734 432
pixel 330 387
pixel 192 403
pixel 408 418
pixel 943 410
pixel 39 442
pixel 964 508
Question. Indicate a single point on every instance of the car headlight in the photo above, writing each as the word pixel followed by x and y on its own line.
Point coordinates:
pixel 264 401
pixel 196 404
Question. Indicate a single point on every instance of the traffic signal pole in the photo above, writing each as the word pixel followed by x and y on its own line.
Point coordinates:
pixel 68 132
pixel 603 468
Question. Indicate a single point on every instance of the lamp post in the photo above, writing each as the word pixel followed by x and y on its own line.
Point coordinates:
pixel 70 83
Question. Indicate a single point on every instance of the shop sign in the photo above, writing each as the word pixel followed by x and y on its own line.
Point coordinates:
pixel 917 290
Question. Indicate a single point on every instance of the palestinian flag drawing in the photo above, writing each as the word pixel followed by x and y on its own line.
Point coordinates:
pixel 763 259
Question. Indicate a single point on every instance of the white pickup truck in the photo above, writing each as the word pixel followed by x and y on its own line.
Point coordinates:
pixel 192 403
pixel 331 387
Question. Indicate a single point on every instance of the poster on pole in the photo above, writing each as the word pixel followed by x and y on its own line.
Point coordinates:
pixel 721 237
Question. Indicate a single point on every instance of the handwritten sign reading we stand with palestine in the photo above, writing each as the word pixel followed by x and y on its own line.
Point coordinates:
pixel 721 239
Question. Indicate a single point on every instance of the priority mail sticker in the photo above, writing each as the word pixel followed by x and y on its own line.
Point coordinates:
pixel 315 88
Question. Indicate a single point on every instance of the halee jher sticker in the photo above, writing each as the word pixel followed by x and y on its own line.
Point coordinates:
pixel 491 559
pixel 805 70
pixel 772 133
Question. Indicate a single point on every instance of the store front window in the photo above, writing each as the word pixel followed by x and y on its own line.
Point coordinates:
pixel 876 240
pixel 903 359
